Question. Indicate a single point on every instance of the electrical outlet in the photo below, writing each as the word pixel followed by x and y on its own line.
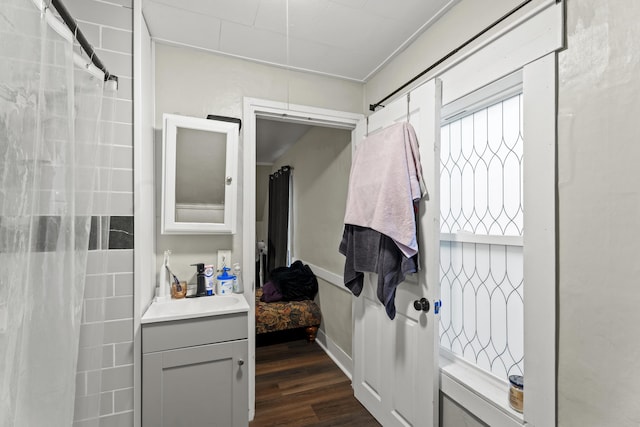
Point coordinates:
pixel 224 258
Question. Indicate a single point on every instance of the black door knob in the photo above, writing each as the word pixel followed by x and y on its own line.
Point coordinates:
pixel 421 305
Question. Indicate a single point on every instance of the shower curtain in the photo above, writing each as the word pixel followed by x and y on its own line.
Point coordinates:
pixel 279 233
pixel 51 108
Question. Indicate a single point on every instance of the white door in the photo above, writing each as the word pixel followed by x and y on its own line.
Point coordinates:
pixel 395 361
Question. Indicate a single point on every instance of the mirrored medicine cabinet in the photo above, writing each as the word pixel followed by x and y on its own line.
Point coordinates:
pixel 199 175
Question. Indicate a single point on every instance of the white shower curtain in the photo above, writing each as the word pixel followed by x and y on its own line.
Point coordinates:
pixel 50 115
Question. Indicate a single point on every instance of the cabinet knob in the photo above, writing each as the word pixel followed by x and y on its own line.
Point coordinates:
pixel 240 362
pixel 228 180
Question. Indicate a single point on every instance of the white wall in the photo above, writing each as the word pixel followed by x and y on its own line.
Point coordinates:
pixel 598 198
pixel 321 162
pixel 196 83
pixel 599 215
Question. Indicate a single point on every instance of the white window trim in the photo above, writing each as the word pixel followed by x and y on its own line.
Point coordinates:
pixel 480 392
pixel 531 43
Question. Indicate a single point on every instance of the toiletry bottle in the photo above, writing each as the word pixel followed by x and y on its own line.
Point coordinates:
pixel 209 278
pixel 202 289
pixel 225 282
pixel 237 284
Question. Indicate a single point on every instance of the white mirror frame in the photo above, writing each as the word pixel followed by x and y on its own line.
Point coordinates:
pixel 169 225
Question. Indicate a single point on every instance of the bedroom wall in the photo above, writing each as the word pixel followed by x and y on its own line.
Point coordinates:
pixel 321 162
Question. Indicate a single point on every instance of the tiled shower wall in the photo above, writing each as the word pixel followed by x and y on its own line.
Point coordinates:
pixel 108 26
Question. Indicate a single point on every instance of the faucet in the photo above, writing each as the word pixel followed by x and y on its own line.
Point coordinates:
pixel 202 288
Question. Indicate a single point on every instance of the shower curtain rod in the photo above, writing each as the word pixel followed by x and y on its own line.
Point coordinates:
pixel 79 36
pixel 372 107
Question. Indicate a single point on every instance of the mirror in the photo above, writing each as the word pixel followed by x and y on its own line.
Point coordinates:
pixel 199 176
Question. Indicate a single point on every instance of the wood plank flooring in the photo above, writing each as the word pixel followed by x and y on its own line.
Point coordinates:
pixel 297 384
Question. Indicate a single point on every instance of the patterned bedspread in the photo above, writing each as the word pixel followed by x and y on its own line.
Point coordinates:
pixel 281 315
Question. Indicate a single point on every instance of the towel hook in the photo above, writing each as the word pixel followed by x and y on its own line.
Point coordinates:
pixel 408 107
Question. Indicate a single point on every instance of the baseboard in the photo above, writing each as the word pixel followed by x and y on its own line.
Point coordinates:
pixel 339 357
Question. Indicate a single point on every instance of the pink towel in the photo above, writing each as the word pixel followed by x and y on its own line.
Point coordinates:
pixel 385 181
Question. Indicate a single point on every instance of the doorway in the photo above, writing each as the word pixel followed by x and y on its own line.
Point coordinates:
pixel 254 110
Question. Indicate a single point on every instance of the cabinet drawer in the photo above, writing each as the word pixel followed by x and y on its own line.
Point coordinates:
pixel 191 332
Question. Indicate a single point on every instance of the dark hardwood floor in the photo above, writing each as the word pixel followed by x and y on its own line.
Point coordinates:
pixel 297 384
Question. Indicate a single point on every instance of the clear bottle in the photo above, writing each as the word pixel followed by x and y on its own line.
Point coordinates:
pixel 237 283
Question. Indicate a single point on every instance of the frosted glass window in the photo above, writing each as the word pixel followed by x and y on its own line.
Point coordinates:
pixel 481 263
pixel 481 171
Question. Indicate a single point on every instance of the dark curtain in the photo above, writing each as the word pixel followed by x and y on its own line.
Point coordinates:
pixel 278 229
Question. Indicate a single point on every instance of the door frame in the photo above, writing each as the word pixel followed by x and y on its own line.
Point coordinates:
pixel 254 108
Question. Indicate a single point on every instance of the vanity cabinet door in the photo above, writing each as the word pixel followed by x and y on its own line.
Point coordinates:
pixel 196 386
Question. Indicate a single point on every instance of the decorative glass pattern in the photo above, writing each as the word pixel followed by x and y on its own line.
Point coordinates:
pixel 481 264
pixel 481 171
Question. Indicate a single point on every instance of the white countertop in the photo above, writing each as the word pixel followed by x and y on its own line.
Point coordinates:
pixel 190 308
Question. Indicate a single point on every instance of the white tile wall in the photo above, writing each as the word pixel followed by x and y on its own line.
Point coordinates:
pixel 108 27
pixel 118 331
pixel 101 13
pixel 125 88
pixel 123 134
pixel 117 40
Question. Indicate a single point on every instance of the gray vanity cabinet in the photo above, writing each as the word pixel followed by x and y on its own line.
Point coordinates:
pixel 194 372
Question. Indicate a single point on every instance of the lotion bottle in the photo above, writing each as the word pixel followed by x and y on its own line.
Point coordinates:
pixel 237 283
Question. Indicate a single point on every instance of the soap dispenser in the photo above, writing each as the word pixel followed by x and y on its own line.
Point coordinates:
pixel 202 288
pixel 225 282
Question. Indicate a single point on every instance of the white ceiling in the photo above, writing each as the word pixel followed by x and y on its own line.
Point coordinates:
pixel 351 39
pixel 273 138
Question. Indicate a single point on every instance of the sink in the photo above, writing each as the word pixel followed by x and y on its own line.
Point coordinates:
pixel 189 308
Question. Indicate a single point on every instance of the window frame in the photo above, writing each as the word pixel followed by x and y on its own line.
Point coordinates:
pixel 488 96
pixel 527 44
pixel 469 385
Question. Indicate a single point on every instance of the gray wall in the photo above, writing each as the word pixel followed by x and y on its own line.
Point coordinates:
pixel 321 162
pixel 108 27
pixel 599 215
pixel 453 415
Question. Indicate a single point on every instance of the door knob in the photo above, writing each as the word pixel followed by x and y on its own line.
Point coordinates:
pixel 421 305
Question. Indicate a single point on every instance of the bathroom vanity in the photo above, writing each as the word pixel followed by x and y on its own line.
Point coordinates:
pixel 194 370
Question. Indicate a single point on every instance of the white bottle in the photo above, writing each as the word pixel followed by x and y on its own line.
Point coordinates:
pixel 209 279
pixel 237 283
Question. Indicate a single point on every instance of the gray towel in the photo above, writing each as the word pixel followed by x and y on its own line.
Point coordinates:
pixel 367 250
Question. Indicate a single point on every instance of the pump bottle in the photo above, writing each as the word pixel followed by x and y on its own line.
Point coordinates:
pixel 237 284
